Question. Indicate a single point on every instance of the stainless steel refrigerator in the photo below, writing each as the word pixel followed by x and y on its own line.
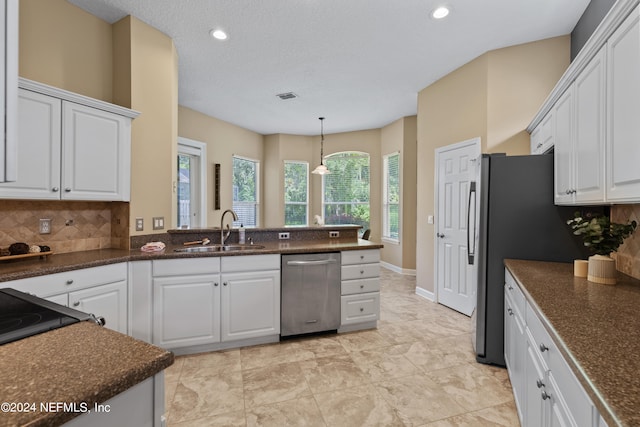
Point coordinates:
pixel 517 219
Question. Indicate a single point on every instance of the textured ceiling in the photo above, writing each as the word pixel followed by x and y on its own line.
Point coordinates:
pixel 359 63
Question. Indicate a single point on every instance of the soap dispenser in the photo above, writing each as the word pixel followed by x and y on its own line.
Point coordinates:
pixel 241 235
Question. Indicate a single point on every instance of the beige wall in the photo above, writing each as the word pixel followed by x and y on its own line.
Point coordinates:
pixel 493 97
pixel 400 136
pixel 152 89
pixel 223 141
pixel 63 46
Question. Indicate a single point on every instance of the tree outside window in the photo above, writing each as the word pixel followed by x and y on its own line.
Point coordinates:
pixel 245 191
pixel 345 197
pixel 296 193
pixel 391 197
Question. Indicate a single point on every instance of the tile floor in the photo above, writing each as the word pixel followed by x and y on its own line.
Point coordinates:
pixel 416 369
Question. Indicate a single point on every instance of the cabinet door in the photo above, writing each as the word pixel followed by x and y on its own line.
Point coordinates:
pixel 95 154
pixel 186 310
pixel 515 348
pixel 557 411
pixel 534 383
pixel 250 305
pixel 563 136
pixel 623 111
pixel 108 301
pixel 542 135
pixel 8 89
pixel 589 144
pixel 38 175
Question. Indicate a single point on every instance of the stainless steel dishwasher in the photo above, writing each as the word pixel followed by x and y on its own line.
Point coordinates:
pixel 310 293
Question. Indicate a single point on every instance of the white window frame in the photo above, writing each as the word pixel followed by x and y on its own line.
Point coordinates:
pixel 306 204
pixel 257 202
pixel 199 190
pixel 385 198
pixel 346 203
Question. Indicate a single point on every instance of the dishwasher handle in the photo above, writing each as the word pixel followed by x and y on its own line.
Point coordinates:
pixel 318 262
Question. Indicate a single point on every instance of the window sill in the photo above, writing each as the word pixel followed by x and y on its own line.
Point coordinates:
pixel 391 241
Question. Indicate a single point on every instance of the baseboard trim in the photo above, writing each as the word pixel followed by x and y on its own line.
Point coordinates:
pixel 426 294
pixel 396 269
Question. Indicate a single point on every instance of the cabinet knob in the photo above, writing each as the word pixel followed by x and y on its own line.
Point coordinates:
pixel 545 395
pixel 361 271
pixel 361 286
pixel 567 191
pixel 77 303
pixel 70 282
pixel 539 383
pixel 440 235
pixel 543 348
pixel 539 145
pixel 55 189
pixel 510 312
pixel 361 309
pixel 510 287
pixel 68 190
pixel 215 284
pixel 361 256
pixel 224 283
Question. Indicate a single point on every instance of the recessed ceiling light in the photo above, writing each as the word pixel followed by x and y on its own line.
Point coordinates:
pixel 218 34
pixel 440 12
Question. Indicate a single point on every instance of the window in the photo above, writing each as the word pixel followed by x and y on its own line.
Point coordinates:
pixel 192 155
pixel 345 193
pixel 246 191
pixel 296 193
pixel 391 197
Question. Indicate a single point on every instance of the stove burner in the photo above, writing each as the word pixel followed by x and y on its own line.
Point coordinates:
pixel 13 321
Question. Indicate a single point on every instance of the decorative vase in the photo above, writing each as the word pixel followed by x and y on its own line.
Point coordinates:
pixel 580 268
pixel 602 269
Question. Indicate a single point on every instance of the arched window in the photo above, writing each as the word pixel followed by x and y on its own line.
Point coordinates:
pixel 345 192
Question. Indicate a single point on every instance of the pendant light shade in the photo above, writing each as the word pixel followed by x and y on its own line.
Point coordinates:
pixel 321 169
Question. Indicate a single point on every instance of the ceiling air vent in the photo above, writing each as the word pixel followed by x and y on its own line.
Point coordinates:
pixel 287 95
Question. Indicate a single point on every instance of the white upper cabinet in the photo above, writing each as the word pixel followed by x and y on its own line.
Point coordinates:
pixel 70 147
pixel 579 137
pixel 542 136
pixel 8 89
pixel 594 109
pixel 623 103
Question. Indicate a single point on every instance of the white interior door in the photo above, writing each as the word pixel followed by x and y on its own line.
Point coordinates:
pixel 457 166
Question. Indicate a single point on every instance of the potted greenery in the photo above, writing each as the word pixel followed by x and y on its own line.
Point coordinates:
pixel 602 237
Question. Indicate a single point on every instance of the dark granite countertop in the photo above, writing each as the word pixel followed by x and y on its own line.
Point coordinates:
pixel 596 327
pixel 57 263
pixel 79 363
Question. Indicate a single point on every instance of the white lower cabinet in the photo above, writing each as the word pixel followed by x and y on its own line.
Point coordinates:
pixel 186 310
pixel 209 301
pixel 546 390
pixel 101 291
pixel 360 289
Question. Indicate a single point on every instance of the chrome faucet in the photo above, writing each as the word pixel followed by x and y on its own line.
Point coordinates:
pixel 223 236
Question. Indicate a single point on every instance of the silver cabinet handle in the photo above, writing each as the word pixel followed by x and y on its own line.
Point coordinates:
pixel 318 262
pixel 55 189
pixel 68 190
pixel 543 348
pixel 539 383
pixel 77 303
pixel 70 282
pixel 545 395
pixel 539 145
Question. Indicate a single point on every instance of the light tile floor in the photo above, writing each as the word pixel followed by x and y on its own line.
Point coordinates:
pixel 416 369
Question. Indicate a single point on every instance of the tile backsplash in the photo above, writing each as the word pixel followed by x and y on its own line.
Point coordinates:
pixel 628 255
pixel 75 226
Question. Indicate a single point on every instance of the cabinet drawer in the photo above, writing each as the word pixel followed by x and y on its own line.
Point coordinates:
pixel 360 308
pixel 360 257
pixel 539 335
pixel 360 286
pixel 182 266
pixel 513 290
pixel 250 263
pixel 360 271
pixel 53 284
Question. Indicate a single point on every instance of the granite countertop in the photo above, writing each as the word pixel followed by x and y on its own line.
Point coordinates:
pixel 79 363
pixel 57 263
pixel 596 327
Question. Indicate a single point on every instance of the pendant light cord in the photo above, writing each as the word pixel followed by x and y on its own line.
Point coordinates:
pixel 321 140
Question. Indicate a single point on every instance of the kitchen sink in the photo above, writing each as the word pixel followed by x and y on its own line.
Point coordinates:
pixel 219 248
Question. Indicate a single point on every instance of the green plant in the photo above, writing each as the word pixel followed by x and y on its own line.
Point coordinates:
pixel 598 233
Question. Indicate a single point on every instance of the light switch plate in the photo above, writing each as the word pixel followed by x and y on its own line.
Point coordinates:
pixel 158 223
pixel 139 224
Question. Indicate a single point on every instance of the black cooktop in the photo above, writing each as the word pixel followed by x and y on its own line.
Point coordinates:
pixel 23 315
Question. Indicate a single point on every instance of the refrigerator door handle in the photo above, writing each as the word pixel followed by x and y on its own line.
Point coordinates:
pixel 471 246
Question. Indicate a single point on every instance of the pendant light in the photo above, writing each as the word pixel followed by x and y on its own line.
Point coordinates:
pixel 321 169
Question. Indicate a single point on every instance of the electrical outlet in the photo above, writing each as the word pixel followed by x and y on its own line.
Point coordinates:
pixel 45 226
pixel 139 224
pixel 334 234
pixel 158 223
pixel 283 236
